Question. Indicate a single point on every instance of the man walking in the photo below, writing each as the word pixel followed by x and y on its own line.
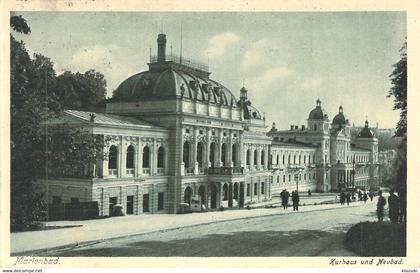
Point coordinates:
pixel 342 198
pixel 394 207
pixel 295 200
pixel 348 197
pixel 380 207
pixel 284 198
pixel 365 197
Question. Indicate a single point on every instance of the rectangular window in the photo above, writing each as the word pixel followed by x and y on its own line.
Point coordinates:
pixel 300 177
pixel 289 177
pixel 56 200
pixel 146 202
pixel 262 187
pixel 161 201
pixel 284 178
pixel 304 177
pixel 74 200
pixel 278 179
pixel 112 202
pixel 255 189
pixel 248 190
pixel 130 204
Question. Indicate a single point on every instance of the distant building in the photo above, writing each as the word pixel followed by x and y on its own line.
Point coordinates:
pixel 172 133
pixel 323 156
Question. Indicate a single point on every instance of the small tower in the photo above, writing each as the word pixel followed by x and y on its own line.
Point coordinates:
pixel 161 42
pixel 244 94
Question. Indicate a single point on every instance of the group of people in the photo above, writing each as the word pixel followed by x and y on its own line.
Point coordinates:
pixel 285 195
pixel 348 197
pixel 396 207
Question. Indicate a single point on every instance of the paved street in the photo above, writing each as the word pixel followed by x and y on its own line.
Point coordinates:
pixel 306 233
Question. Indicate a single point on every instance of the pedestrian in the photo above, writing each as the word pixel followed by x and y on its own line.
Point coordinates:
pixel 380 207
pixel 342 198
pixel 295 200
pixel 393 207
pixel 403 205
pixel 309 193
pixel 284 198
pixel 365 197
pixel 359 195
pixel 348 197
pixel 371 196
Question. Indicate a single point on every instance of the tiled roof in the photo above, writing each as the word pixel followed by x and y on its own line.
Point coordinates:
pixel 109 119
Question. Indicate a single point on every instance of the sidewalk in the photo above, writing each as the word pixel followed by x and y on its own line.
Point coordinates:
pixel 114 227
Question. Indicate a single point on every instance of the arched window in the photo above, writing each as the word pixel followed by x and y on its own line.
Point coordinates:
pixel 255 157
pixel 262 158
pixel 146 157
pixel 278 159
pixel 315 127
pixel 129 163
pixel 212 153
pixel 224 154
pixel 304 159
pixel 294 159
pixel 161 157
pixel 300 157
pixel 186 154
pixel 234 155
pixel 200 154
pixel 112 161
pixel 288 161
pixel 248 157
pixel 284 159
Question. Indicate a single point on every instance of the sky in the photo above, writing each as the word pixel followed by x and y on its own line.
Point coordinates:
pixel 285 59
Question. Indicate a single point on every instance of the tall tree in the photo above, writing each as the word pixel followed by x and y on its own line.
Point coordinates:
pixel 399 92
pixel 36 147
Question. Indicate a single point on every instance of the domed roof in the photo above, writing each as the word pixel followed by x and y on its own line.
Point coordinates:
pixel 366 132
pixel 339 119
pixel 317 112
pixel 173 80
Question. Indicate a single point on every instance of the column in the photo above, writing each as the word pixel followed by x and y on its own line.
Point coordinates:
pixel 229 152
pixel 194 152
pixel 266 157
pixel 136 160
pixel 105 164
pixel 230 196
pixel 153 158
pixel 251 161
pixel 122 171
pixel 140 159
pixel 207 152
pixel 258 158
pixel 120 160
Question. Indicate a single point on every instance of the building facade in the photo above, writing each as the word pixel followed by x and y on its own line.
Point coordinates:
pixel 172 133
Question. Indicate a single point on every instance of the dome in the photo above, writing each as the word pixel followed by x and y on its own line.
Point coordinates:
pixel 366 132
pixel 339 119
pixel 317 112
pixel 173 80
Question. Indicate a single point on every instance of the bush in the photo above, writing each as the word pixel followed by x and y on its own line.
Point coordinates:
pixel 373 239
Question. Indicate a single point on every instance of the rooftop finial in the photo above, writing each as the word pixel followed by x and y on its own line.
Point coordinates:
pixel 318 102
pixel 340 109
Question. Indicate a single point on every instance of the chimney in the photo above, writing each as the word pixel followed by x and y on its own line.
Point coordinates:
pixel 296 127
pixel 161 41
pixel 303 127
pixel 291 127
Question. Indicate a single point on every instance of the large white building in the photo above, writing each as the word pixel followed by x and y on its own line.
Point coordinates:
pixel 171 133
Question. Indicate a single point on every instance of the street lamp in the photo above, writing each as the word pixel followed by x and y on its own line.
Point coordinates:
pixel 354 171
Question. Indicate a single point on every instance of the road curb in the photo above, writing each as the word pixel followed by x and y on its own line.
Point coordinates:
pixel 92 242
